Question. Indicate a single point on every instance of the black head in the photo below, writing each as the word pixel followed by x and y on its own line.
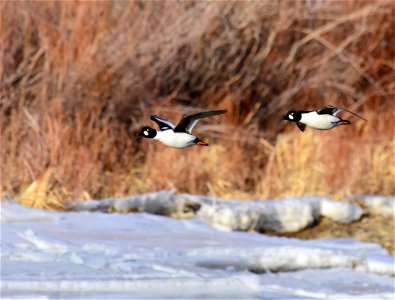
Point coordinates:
pixel 292 116
pixel 147 132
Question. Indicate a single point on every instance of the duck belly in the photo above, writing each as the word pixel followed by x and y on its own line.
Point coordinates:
pixel 173 139
pixel 320 122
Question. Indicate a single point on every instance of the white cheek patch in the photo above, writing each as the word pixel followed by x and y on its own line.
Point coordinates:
pixel 291 117
pixel 146 132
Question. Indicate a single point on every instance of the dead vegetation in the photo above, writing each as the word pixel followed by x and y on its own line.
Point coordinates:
pixel 79 78
pixel 376 229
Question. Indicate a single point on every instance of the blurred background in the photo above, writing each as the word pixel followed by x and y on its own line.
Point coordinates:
pixel 78 79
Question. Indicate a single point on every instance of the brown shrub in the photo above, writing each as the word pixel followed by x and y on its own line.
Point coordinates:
pixel 78 76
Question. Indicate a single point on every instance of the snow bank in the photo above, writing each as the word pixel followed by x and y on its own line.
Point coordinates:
pixel 164 203
pixel 342 212
pixel 282 215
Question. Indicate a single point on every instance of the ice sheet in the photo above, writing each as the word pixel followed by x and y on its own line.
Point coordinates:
pixel 139 255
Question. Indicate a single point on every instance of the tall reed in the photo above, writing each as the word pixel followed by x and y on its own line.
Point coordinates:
pixel 79 78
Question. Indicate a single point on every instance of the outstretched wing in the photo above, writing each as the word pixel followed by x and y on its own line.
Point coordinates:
pixel 187 123
pixel 333 110
pixel 162 123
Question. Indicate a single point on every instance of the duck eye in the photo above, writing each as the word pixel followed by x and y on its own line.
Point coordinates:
pixel 292 113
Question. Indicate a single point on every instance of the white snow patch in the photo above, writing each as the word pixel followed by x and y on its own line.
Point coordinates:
pixel 380 205
pixel 282 215
pixel 342 212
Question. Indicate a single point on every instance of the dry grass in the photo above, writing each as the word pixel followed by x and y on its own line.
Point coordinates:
pixel 78 78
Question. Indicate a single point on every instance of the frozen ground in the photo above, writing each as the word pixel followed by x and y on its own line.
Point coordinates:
pixel 97 255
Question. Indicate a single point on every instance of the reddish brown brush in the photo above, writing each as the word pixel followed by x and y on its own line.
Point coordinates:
pixel 78 78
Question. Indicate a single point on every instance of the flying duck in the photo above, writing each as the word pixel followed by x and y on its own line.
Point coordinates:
pixel 179 136
pixel 323 119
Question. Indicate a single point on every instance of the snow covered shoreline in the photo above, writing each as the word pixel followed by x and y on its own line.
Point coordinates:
pixel 289 214
pixel 85 254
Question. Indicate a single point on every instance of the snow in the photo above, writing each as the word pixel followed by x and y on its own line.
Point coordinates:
pixel 380 205
pixel 85 254
pixel 260 216
pixel 332 284
pixel 342 212
pixel 281 215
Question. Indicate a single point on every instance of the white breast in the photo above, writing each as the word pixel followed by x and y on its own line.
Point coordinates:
pixel 175 139
pixel 321 122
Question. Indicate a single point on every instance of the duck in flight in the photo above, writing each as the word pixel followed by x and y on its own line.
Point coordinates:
pixel 179 136
pixel 323 119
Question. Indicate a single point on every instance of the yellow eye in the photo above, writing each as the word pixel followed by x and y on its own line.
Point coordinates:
pixel 292 113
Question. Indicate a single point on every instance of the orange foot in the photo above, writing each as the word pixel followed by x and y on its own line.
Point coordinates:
pixel 344 122
pixel 201 143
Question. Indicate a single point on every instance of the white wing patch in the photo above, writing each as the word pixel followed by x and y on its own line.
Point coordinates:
pixel 191 125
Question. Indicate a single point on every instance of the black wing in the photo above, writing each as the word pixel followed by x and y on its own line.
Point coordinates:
pixel 330 110
pixel 188 122
pixel 333 110
pixel 162 123
pixel 301 126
